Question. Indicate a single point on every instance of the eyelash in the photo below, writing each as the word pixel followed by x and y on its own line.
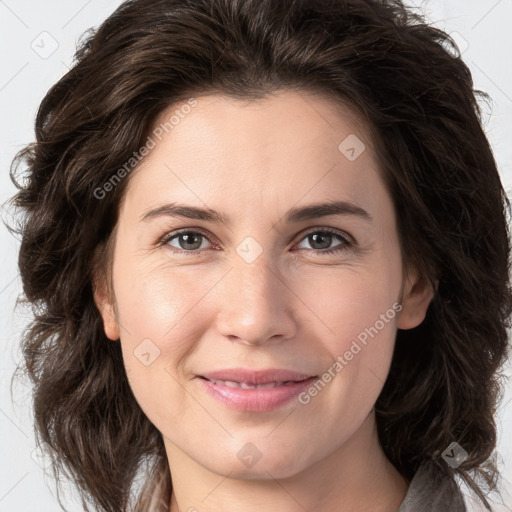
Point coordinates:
pixel 348 243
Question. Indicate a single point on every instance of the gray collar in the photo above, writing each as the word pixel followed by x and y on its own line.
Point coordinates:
pixel 431 491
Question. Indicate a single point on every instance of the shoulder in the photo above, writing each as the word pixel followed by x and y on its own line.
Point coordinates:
pixel 431 490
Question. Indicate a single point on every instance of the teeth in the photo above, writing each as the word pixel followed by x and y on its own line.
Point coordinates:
pixel 244 385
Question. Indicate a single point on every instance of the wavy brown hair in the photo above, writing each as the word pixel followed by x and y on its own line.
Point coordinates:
pixel 404 78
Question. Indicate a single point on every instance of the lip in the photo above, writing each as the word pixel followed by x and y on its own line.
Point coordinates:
pixel 257 399
pixel 255 377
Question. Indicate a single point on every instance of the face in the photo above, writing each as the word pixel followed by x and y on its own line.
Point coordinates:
pixel 264 283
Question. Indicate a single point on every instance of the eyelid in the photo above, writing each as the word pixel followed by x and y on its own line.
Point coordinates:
pixel 349 239
pixel 339 232
pixel 171 234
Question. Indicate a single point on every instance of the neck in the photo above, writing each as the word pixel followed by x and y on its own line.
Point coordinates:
pixel 356 477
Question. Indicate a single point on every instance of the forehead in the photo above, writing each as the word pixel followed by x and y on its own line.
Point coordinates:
pixel 307 115
pixel 278 148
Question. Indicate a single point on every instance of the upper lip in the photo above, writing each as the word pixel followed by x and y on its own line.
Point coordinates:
pixel 256 377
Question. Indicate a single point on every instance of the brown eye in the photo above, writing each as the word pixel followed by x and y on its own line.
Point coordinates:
pixel 187 241
pixel 321 240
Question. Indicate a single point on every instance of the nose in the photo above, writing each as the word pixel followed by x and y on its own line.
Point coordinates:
pixel 256 305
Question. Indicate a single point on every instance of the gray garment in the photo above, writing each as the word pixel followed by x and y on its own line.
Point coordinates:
pixel 431 491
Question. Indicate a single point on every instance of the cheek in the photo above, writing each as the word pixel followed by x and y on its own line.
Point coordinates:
pixel 157 302
pixel 360 346
pixel 358 309
pixel 356 303
pixel 161 321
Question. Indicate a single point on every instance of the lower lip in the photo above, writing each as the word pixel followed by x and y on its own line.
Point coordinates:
pixel 255 400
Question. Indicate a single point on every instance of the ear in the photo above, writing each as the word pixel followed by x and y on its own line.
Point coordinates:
pixel 417 294
pixel 105 303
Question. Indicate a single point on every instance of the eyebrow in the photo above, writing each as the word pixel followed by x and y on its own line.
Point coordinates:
pixel 294 215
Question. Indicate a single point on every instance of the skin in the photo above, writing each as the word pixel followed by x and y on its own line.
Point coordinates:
pixel 293 307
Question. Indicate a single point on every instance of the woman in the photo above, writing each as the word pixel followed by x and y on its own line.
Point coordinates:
pixel 185 169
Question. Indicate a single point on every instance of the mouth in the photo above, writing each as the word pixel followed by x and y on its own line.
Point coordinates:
pixel 255 391
pixel 248 385
pixel 248 379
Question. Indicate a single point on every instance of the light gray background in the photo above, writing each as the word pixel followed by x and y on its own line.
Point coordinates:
pixel 38 41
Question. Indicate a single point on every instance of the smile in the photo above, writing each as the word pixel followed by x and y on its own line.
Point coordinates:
pixel 246 385
pixel 247 397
